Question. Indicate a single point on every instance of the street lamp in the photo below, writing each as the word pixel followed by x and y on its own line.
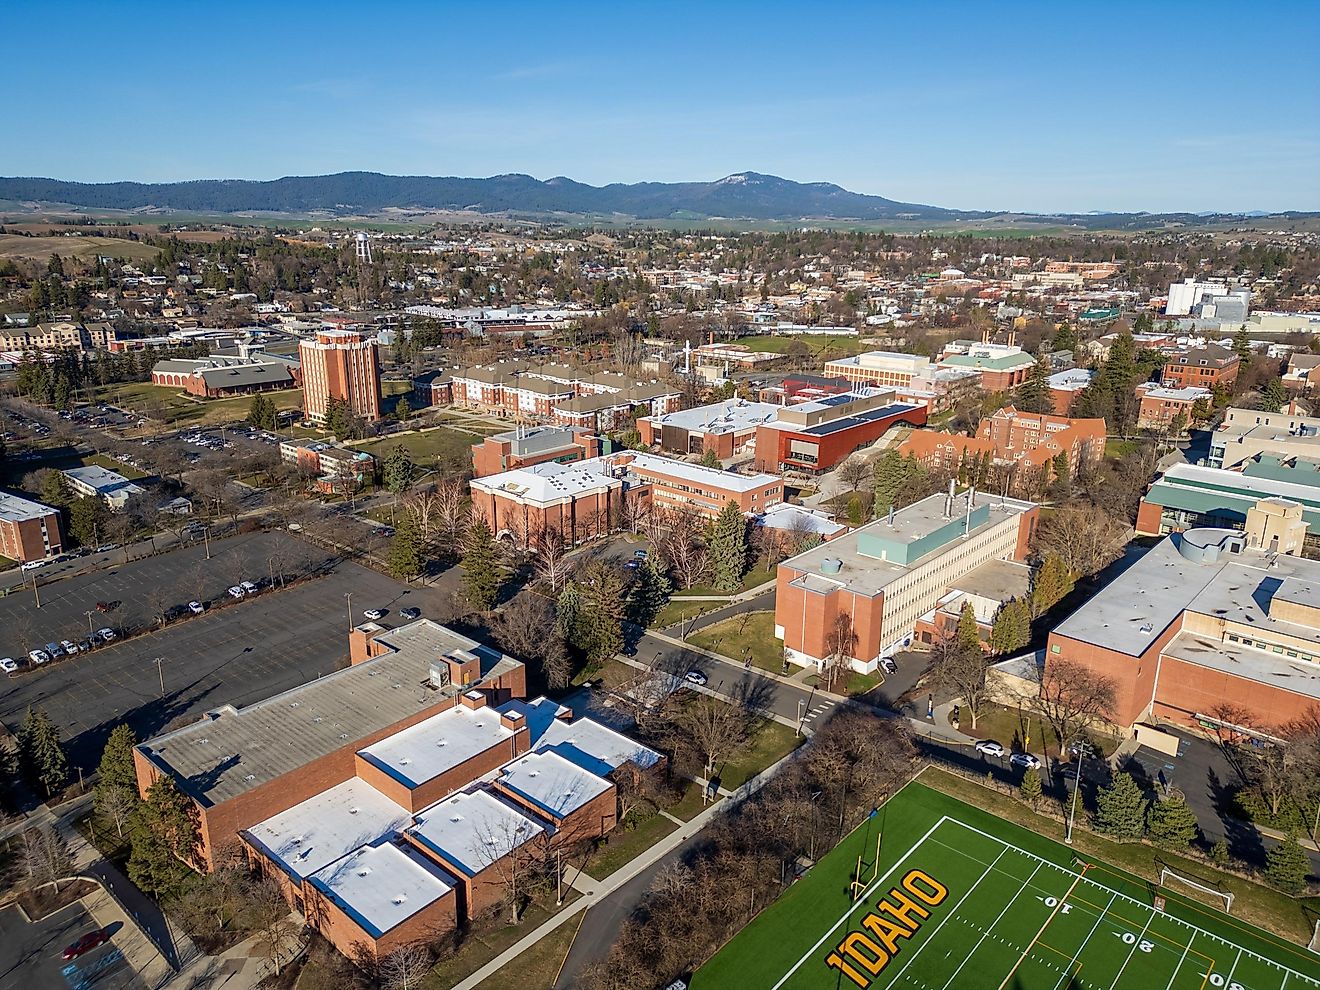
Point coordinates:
pixel 349 596
pixel 815 795
pixel 1072 812
pixel 89 613
pixel 802 704
pixel 160 672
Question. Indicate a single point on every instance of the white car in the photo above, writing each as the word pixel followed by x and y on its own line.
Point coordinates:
pixel 695 676
pixel 988 747
pixel 32 565
pixel 374 613
pixel 105 634
pixel 236 592
pixel 38 656
pixel 1025 760
pixel 69 647
pixel 248 586
pixel 196 608
pixel 8 665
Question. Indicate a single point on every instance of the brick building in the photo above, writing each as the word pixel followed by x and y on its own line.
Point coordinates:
pixel 723 427
pixel 1160 407
pixel 1009 438
pixel 245 372
pixel 533 445
pixel 813 437
pixel 1002 367
pixel 880 369
pixel 1203 367
pixel 1210 628
pixel 332 466
pixel 1066 386
pixel 28 529
pixel 892 573
pixel 343 365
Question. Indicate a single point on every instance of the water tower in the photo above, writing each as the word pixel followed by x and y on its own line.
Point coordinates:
pixel 362 246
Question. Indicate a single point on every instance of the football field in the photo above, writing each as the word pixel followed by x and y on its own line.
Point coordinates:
pixel 959 899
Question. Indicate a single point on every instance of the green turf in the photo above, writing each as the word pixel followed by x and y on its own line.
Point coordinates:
pixel 1019 913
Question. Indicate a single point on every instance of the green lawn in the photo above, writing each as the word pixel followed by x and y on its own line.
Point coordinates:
pixel 676 610
pixel 1014 730
pixel 486 942
pixel 751 632
pixel 110 464
pixel 769 742
pixel 536 968
pixel 754 578
pixel 625 845
pixel 976 902
pixel 835 343
pixel 443 441
pixel 691 803
pixel 177 408
pixel 850 683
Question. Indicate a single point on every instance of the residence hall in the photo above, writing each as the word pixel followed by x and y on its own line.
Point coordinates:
pixel 343 366
pixel 813 437
pixel 1203 367
pixel 1210 628
pixel 1160 407
pixel 334 466
pixel 530 445
pixel 726 427
pixel 1001 366
pixel 28 529
pixel 1009 437
pixel 383 837
pixel 586 499
pixel 899 571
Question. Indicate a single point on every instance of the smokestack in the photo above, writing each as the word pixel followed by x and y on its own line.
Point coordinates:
pixel 891 516
pixel 971 496
pixel 948 501
pixel 967 519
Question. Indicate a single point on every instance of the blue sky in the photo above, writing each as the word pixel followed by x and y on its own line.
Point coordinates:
pixel 1052 106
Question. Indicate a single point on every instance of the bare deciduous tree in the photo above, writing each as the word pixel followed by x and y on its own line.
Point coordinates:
pixel 116 805
pixel 46 857
pixel 715 729
pixel 1073 698
pixel 1085 538
pixel 405 967
pixel 678 537
pixel 550 559
pixel 840 642
pixel 855 472
pixel 960 670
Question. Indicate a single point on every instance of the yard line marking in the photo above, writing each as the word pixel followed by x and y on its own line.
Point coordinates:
pixel 952 913
pixel 1025 885
pixel 1169 986
pixel 1228 980
pixel 852 907
pixel 1133 951
pixel 1036 937
pixel 1086 941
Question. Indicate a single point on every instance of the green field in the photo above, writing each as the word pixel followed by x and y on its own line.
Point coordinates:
pixel 961 899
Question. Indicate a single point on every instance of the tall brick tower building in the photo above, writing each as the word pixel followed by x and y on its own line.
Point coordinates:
pixel 340 364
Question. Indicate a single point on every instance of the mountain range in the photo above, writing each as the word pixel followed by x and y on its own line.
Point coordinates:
pixel 741 196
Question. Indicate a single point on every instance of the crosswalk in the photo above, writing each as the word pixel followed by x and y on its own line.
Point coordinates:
pixel 815 711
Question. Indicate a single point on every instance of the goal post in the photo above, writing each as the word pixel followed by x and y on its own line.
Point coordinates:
pixel 1170 876
pixel 1314 944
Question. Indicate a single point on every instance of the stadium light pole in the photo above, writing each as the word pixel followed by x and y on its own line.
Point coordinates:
pixel 1072 812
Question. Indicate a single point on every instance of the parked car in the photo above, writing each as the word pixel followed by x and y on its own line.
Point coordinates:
pixel 631 564
pixel 1027 761
pixel 32 565
pixel 106 606
pixel 410 613
pixel 249 587
pixel 69 646
pixel 38 656
pixel 105 634
pixel 695 676
pixel 640 554
pixel 107 547
pixel 236 592
pixel 384 530
pixel 86 944
pixel 196 608
pixel 54 650
pixel 988 747
pixel 374 613
pixel 8 665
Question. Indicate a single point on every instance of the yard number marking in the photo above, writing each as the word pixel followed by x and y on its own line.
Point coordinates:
pixel 907 905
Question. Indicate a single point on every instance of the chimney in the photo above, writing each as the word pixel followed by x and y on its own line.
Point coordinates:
pixel 971 496
pixel 948 501
pixel 512 720
pixel 890 520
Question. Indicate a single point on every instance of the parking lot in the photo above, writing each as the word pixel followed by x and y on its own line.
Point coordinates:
pixel 30 955
pixel 235 655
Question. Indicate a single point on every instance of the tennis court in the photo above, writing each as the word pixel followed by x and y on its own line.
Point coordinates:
pixel 957 898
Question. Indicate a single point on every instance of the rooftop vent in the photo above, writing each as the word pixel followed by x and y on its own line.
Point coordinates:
pixel 831 565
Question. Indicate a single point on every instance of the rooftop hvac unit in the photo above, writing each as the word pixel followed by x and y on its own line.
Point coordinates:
pixel 831 565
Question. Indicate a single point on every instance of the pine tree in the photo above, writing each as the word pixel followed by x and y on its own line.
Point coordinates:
pixel 1286 866
pixel 568 606
pixel 968 636
pixel 1242 343
pixel 261 412
pixel 1012 627
pixel 649 594
pixel 598 631
pixel 40 753
pixel 1171 823
pixel 402 409
pixel 1273 396
pixel 899 480
pixel 164 836
pixel 710 459
pixel 1050 584
pixel 1034 394
pixel 1030 787
pixel 1065 337
pixel 55 489
pixel 116 768
pixel 398 469
pixel 1061 486
pixel 1219 854
pixel 728 548
pixel 483 570
pixel 407 554
pixel 1120 808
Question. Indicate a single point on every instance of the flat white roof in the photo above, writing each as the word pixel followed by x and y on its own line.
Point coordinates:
pixel 787 516
pixel 426 750
pixel 1073 379
pixel 15 508
pixel 594 747
pixel 728 416
pixel 554 784
pixel 546 483
pixel 472 830
pixel 696 473
pixel 381 886
pixel 327 827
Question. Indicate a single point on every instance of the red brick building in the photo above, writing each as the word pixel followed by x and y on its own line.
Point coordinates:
pixel 533 445
pixel 1009 437
pixel 1160 406
pixel 813 437
pixel 343 365
pixel 28 529
pixel 1204 367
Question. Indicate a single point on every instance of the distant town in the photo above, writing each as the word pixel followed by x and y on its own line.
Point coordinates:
pixel 507 603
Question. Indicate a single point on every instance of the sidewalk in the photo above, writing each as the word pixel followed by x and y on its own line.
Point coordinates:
pixel 144 958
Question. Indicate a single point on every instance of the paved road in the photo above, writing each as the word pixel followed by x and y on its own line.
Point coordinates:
pixel 235 655
pixel 764 602
pixel 30 955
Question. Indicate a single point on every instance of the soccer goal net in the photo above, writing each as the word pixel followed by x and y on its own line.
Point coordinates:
pixel 1169 877
pixel 1315 939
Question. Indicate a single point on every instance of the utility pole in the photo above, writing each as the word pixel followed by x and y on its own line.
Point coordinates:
pixel 90 631
pixel 35 593
pixel 349 596
pixel 160 672
pixel 206 538
pixel 1072 812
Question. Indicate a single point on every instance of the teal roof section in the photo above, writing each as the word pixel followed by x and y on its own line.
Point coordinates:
pixel 895 549
pixel 1006 363
pixel 1214 491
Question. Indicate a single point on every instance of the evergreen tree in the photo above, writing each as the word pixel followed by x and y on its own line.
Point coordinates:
pixel 164 837
pixel 710 459
pixel 1273 396
pixel 261 412
pixel 649 594
pixel 899 481
pixel 40 753
pixel 568 606
pixel 407 553
pixel 1219 854
pixel 1065 337
pixel 1286 866
pixel 598 632
pixel 116 768
pixel 1012 627
pixel 483 568
pixel 1030 788
pixel 968 636
pixel 55 489
pixel 88 518
pixel 402 409
pixel 1050 584
pixel 728 548
pixel 1061 485
pixel 398 469
pixel 1242 343
pixel 1120 808
pixel 1034 394
pixel 1171 823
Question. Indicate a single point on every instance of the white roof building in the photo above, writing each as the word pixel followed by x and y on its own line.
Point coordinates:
pixel 435 745
pixel 553 784
pixel 382 886
pixel 473 830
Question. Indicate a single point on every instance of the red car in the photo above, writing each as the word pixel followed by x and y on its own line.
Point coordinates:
pixel 86 944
